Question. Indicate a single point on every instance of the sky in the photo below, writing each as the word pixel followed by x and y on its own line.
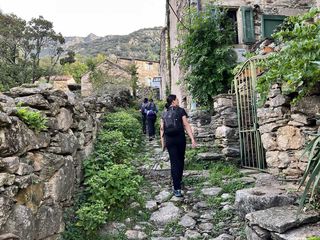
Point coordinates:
pixel 82 17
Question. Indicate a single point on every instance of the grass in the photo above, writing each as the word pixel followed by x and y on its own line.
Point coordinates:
pixel 173 229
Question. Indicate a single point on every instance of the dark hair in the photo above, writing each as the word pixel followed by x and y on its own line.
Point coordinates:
pixel 170 99
pixel 145 100
pixel 151 100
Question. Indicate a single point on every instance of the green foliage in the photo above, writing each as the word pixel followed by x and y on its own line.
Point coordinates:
pixel 76 70
pixel 313 238
pixel 127 124
pixel 92 215
pixel 173 229
pixel 115 186
pixel 312 173
pixel 21 43
pixel 206 54
pixel 111 181
pixel 133 69
pixel 223 171
pixel 33 119
pixel 293 64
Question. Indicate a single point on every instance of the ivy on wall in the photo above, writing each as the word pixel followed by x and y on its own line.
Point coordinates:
pixel 205 52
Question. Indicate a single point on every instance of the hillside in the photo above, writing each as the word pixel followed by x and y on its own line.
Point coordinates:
pixel 144 44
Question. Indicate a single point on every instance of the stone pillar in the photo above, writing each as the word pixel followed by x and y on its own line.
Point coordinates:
pixel 225 126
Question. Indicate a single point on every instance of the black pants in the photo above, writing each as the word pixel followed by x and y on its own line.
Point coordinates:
pixel 144 123
pixel 176 147
pixel 151 121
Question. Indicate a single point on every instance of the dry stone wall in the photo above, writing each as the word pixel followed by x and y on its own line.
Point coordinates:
pixel 285 130
pixel 40 171
pixel 225 126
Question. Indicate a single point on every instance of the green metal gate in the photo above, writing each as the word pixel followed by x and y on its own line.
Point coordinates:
pixel 251 149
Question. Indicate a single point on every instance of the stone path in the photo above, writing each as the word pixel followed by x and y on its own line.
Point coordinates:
pixel 205 212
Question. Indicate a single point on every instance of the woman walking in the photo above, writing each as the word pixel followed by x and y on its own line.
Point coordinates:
pixel 173 124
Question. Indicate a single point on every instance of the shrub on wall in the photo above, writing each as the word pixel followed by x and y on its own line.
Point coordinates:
pixel 34 119
pixel 293 65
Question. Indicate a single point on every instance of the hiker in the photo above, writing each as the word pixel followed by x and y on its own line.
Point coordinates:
pixel 144 114
pixel 173 124
pixel 151 111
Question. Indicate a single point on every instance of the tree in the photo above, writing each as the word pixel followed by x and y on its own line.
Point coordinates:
pixel 41 34
pixel 70 58
pixel 20 46
pixel 133 69
pixel 206 54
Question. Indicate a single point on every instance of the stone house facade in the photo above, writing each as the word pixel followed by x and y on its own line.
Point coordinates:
pixel 147 69
pixel 255 20
pixel 117 72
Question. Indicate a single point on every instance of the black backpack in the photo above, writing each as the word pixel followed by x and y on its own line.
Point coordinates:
pixel 172 122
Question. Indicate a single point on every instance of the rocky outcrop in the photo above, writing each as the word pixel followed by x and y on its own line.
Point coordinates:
pixel 39 171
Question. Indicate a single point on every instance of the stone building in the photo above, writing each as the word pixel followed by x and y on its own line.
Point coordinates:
pixel 117 71
pixel 114 72
pixel 62 82
pixel 254 20
pixel 147 69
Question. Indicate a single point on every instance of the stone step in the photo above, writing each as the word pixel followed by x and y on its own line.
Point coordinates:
pixel 281 219
pixel 303 232
pixel 260 198
pixel 210 156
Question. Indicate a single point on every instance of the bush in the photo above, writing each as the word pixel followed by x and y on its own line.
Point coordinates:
pixel 115 186
pixel 92 215
pixel 33 119
pixel 293 66
pixel 127 124
pixel 111 147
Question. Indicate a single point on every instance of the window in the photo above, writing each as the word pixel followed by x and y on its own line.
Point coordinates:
pixel 269 23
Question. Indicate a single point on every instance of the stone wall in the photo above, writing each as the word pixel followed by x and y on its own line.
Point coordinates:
pixel 40 171
pixel 285 129
pixel 225 126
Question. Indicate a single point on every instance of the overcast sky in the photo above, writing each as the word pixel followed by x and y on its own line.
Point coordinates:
pixel 81 17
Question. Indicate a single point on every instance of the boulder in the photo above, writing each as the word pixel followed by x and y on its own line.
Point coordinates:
pixel 281 219
pixel 209 156
pixel 257 233
pixel 20 223
pixel 289 137
pixel 214 191
pixel 6 179
pixel 10 164
pixel 269 141
pixel 5 120
pixel 31 196
pixel 46 163
pixel 167 213
pixel 303 106
pixel 19 139
pixel 134 234
pixel 279 100
pixel 187 222
pixel 61 186
pixel 64 119
pixel 5 208
pixel 64 143
pixel 259 198
pixel 48 221
pixel 224 132
pixel 36 101
pixel 302 232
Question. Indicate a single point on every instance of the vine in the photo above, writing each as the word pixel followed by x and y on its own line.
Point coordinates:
pixel 206 54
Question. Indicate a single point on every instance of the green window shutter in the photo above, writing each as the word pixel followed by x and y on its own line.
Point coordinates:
pixel 248 25
pixel 269 23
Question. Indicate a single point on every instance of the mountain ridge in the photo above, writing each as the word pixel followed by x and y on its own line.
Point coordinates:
pixel 143 44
